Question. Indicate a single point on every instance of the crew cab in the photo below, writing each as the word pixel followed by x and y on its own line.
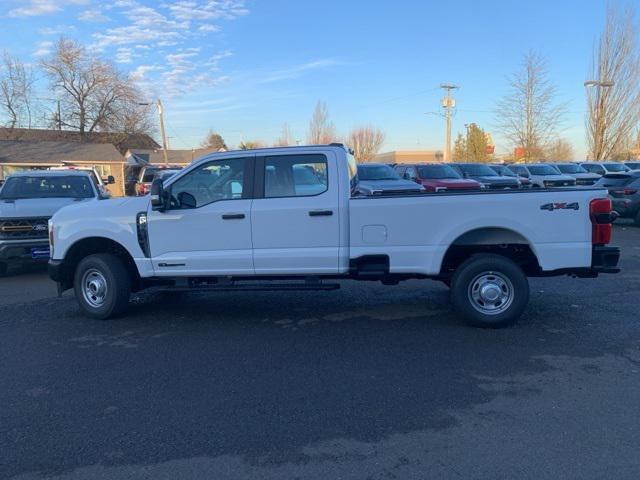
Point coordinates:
pixel 27 201
pixel 240 221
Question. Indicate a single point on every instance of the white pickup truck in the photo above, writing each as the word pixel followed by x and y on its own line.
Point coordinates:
pixel 289 218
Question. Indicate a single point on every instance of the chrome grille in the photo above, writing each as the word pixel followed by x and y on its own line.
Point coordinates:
pixel 24 228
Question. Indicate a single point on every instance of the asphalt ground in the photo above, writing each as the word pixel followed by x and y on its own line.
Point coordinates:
pixel 367 382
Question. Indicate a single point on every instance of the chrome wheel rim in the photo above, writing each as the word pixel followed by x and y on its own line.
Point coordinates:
pixel 491 293
pixel 94 288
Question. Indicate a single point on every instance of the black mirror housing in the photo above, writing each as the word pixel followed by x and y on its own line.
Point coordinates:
pixel 157 195
pixel 111 180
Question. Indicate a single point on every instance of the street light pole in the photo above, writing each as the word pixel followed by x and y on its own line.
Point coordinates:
pixel 599 121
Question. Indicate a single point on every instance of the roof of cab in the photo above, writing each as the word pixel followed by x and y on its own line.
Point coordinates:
pixel 272 151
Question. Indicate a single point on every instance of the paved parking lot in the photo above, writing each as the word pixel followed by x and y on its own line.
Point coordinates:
pixel 366 382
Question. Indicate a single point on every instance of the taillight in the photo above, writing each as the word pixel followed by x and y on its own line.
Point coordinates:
pixel 600 213
pixel 628 191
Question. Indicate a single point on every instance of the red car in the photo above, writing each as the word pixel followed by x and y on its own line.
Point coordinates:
pixel 436 177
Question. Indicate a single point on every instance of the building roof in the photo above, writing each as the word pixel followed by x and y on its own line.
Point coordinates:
pixel 175 157
pixel 122 141
pixel 57 153
pixel 50 173
pixel 410 156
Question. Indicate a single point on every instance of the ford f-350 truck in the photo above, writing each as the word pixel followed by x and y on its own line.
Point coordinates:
pixel 291 218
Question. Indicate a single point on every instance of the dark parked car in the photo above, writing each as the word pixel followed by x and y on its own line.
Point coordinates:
pixel 505 172
pixel 436 177
pixel 602 168
pixel 146 176
pixel 487 177
pixel 624 190
pixel 380 178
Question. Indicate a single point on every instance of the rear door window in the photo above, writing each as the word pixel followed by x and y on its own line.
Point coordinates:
pixel 295 176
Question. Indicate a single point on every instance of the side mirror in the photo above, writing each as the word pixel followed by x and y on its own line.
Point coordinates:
pixel 158 195
pixel 465 175
pixel 111 180
pixel 187 200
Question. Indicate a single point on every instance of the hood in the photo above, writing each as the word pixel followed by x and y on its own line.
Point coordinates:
pixel 452 183
pixel 37 207
pixel 497 179
pixel 585 176
pixel 104 208
pixel 389 185
pixel 556 178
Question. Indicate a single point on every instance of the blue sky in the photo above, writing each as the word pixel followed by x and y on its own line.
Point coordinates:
pixel 244 67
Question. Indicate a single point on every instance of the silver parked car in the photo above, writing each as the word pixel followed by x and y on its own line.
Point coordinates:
pixel 582 176
pixel 380 179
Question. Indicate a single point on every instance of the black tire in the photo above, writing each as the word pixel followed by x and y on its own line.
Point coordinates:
pixel 4 268
pixel 636 220
pixel 500 277
pixel 97 270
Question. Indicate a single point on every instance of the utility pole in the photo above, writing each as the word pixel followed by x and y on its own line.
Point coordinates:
pixel 59 117
pixel 165 143
pixel 448 103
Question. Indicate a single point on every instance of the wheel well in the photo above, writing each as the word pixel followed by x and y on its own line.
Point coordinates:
pixel 498 241
pixel 93 245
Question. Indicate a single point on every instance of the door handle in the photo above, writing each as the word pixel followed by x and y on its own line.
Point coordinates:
pixel 232 216
pixel 320 213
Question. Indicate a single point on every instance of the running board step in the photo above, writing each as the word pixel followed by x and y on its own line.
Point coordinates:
pixel 257 287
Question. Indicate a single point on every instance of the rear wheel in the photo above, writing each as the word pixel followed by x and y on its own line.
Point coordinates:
pixel 3 269
pixel 636 220
pixel 489 291
pixel 102 286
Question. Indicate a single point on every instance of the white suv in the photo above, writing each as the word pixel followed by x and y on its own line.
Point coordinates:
pixel 543 175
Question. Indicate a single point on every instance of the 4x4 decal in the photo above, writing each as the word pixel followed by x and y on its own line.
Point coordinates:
pixel 560 206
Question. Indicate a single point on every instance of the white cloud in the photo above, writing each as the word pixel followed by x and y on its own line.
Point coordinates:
pixel 298 70
pixel 141 71
pixel 57 30
pixel 208 28
pixel 43 49
pixel 189 10
pixel 93 15
pixel 125 55
pixel 35 8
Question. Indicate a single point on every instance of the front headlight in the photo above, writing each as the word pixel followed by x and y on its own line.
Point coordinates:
pixel 51 237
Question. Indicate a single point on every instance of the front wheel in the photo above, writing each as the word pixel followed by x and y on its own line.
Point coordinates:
pixel 102 286
pixel 489 291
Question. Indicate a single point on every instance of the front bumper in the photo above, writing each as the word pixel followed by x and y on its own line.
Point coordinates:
pixel 22 251
pixel 55 269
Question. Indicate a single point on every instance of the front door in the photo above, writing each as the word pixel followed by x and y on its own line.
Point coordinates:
pixel 295 215
pixel 206 229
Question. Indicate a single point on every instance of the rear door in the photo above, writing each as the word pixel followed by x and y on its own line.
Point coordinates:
pixel 295 216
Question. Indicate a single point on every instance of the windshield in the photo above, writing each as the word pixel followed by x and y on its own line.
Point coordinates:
pixel 502 170
pixel 477 170
pixel 377 172
pixel 47 187
pixel 542 170
pixel 633 165
pixel 437 172
pixel 570 168
pixel 616 167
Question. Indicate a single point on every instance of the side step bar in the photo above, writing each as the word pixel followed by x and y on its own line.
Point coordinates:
pixel 252 286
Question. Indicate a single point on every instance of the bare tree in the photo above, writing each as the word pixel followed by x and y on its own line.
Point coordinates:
pixel 285 138
pixel 560 150
pixel 93 94
pixel 365 142
pixel 214 141
pixel 321 129
pixel 16 91
pixel 613 101
pixel 250 145
pixel 529 114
